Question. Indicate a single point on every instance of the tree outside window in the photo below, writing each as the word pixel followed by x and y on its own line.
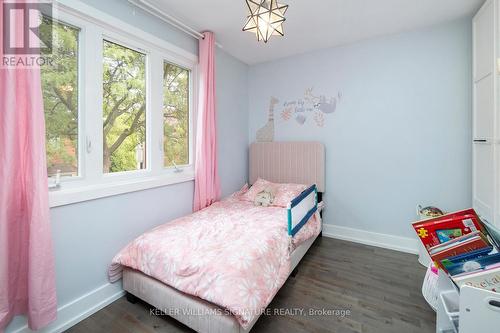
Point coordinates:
pixel 124 108
pixel 175 115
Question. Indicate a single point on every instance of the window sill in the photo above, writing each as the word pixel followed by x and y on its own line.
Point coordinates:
pixel 67 196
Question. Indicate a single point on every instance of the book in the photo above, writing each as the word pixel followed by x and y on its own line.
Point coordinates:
pixel 474 264
pixel 454 242
pixel 464 257
pixel 469 245
pixel 444 228
pixel 488 279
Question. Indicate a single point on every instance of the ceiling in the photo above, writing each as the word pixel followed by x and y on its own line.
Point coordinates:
pixel 313 24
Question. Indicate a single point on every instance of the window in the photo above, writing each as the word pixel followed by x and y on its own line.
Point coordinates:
pixel 175 115
pixel 60 99
pixel 124 108
pixel 117 107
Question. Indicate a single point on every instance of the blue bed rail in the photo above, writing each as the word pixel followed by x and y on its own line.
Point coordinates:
pixel 293 230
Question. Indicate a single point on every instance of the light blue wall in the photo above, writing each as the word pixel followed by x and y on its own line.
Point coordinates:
pixel 232 121
pixel 401 134
pixel 87 235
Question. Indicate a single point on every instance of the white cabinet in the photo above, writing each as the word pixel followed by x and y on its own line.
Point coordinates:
pixel 486 132
pixel 484 34
pixel 484 103
pixel 483 176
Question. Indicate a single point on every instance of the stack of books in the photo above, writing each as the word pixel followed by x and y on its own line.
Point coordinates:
pixel 464 247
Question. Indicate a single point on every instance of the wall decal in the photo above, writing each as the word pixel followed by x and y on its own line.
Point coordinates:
pixel 311 106
pixel 266 133
pixel 319 119
pixel 301 119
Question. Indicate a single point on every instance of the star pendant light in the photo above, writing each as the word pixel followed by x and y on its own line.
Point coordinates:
pixel 265 18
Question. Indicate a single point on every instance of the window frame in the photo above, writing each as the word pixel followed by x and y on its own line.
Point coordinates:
pixel 91 182
pixel 76 23
pixel 190 117
pixel 121 41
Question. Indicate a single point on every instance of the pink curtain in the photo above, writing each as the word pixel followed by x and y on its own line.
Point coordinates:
pixel 206 183
pixel 27 284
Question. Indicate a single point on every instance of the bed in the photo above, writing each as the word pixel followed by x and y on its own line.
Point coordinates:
pixel 217 269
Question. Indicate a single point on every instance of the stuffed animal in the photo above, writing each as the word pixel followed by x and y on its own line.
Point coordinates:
pixel 264 198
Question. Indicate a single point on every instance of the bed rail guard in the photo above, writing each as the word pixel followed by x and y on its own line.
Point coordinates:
pixel 300 209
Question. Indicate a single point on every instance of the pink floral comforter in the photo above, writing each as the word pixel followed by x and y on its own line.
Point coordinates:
pixel 232 254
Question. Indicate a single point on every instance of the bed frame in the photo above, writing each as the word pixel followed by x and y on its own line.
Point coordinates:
pixel 281 162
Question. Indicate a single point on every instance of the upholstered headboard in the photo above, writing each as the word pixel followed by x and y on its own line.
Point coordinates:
pixel 288 162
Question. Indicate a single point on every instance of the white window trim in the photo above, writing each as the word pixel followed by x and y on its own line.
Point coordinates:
pixel 91 182
pixel 96 191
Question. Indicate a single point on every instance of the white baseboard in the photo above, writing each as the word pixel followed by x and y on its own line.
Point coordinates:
pixel 397 243
pixel 75 311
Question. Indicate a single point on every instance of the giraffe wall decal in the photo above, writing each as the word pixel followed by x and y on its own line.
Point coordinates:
pixel 266 133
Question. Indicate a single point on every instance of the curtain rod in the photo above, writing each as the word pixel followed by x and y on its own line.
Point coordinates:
pixel 155 11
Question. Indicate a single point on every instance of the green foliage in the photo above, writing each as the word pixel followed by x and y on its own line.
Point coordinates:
pixel 60 96
pixel 124 105
pixel 175 115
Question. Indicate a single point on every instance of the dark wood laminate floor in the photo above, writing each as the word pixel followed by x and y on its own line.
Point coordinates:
pixel 380 288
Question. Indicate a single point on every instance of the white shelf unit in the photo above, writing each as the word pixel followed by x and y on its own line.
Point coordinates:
pixel 445 323
pixel 470 310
